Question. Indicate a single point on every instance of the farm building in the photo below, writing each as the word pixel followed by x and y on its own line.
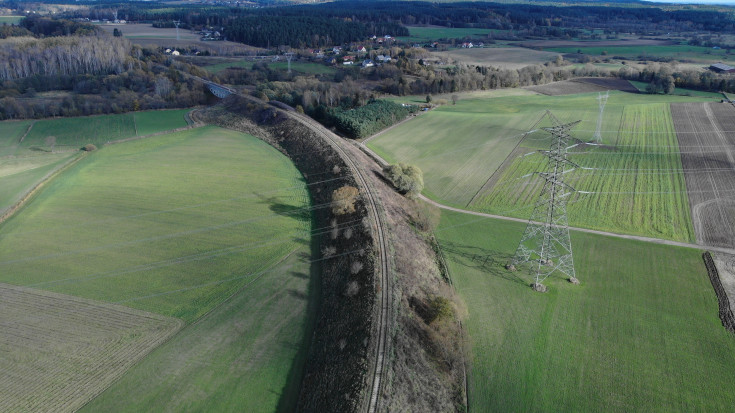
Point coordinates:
pixel 722 68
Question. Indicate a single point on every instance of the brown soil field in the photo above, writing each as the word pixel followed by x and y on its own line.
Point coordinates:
pixel 600 43
pixel 502 57
pixel 58 352
pixel 725 264
pixel 583 85
pixel 706 134
pixel 147 35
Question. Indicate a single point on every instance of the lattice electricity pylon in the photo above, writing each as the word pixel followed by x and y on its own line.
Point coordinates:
pixel 602 99
pixel 545 241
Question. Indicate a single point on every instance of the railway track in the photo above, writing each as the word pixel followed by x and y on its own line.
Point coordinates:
pixel 377 372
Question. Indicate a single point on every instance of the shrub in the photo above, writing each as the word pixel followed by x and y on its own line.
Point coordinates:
pixel 343 200
pixel 89 147
pixel 408 179
pixel 425 216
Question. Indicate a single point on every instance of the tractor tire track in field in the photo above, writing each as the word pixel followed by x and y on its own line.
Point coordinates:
pixel 702 126
pixel 27 131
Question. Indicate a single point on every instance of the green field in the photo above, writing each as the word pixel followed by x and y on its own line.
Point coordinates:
pixel 10 19
pixel 171 225
pixel 639 334
pixel 426 34
pixel 459 148
pixel 677 52
pixel 20 175
pixel 637 188
pixel 300 67
pixel 10 134
pixel 178 225
pixel 73 133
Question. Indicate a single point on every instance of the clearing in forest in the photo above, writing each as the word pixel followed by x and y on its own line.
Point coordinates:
pixel 641 333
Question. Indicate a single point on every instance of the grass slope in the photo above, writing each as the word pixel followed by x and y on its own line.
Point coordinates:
pixel 171 225
pixel 159 120
pixel 10 134
pixel 19 175
pixel 640 333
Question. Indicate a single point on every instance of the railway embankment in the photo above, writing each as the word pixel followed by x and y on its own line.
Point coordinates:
pixel 337 370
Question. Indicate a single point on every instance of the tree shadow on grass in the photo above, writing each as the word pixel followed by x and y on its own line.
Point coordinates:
pixel 300 213
pixel 489 262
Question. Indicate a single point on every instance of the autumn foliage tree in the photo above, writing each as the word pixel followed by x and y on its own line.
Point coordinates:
pixel 343 200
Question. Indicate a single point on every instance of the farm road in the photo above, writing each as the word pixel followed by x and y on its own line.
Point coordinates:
pixel 713 248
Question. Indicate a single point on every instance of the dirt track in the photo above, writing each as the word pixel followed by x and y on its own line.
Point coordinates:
pixel 706 134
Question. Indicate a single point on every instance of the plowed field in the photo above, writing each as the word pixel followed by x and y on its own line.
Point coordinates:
pixel 58 352
pixel 706 134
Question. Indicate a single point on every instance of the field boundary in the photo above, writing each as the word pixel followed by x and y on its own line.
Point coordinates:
pixel 151 135
pixel 27 131
pixel 725 311
pixel 27 196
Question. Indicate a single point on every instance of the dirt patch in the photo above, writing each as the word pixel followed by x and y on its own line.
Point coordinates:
pixel 59 352
pixel 584 85
pixel 601 43
pixel 706 135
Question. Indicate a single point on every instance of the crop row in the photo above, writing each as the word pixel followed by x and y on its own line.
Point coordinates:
pixel 636 186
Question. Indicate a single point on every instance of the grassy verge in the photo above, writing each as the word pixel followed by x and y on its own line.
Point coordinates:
pixel 640 334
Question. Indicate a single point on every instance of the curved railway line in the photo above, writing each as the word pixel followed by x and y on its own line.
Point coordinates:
pixel 377 372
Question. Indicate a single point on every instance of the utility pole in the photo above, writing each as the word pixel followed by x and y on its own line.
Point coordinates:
pixel 289 56
pixel 545 242
pixel 177 23
pixel 602 99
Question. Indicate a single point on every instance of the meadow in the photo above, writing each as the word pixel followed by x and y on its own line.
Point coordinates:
pixel 639 334
pixel 426 34
pixel 183 225
pixel 461 147
pixel 676 52
pixel 301 67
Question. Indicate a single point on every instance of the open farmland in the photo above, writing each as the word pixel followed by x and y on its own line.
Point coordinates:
pixel 61 351
pixel 706 134
pixel 147 35
pixel 675 52
pixel 502 57
pixel 584 85
pixel 10 19
pixel 178 225
pixel 420 34
pixel 464 150
pixel 639 334
pixel 170 225
pixel 301 67
pixel 73 133
pixel 635 185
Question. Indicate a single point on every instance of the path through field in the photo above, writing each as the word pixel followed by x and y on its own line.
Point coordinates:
pixel 58 352
pixel 706 134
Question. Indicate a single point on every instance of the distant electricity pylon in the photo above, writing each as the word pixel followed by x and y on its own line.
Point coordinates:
pixel 177 23
pixel 602 99
pixel 545 241
pixel 289 56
